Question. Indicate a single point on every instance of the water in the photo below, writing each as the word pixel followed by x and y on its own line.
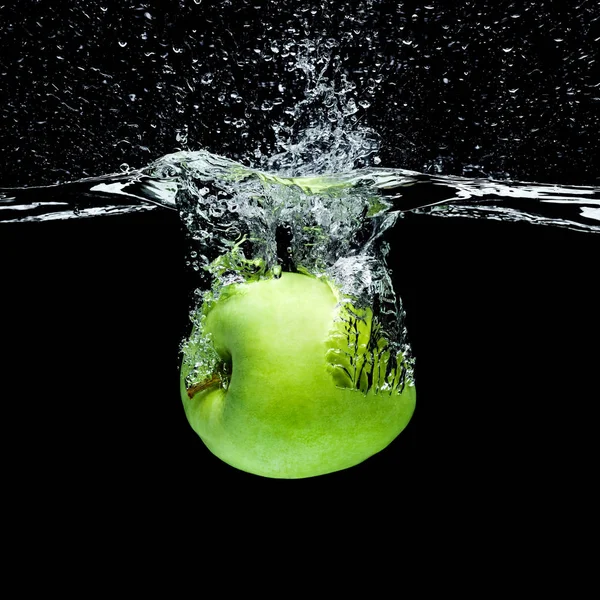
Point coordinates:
pixel 303 136
pixel 316 89
pixel 243 224
pixel 246 223
pixel 565 206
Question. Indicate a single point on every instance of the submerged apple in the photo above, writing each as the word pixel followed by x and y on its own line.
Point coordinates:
pixel 285 379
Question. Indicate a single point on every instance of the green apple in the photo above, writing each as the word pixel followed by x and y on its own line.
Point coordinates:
pixel 285 378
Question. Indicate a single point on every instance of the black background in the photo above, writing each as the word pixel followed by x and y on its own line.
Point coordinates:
pixel 502 319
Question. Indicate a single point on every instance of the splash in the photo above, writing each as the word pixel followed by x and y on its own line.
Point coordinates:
pixel 322 133
pixel 293 210
pixel 245 224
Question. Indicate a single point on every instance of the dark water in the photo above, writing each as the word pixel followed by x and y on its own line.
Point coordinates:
pixel 502 317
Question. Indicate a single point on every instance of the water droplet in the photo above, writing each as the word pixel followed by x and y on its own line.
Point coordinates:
pixel 350 107
pixel 124 167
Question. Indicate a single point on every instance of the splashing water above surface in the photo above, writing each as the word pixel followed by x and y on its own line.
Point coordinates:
pixel 511 90
pixel 300 87
pixel 324 135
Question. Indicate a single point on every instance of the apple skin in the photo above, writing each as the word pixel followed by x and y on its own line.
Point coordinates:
pixel 283 413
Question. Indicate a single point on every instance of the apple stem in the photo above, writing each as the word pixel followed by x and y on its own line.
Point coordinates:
pixel 201 386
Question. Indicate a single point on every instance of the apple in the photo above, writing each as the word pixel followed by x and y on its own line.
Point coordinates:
pixel 285 378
